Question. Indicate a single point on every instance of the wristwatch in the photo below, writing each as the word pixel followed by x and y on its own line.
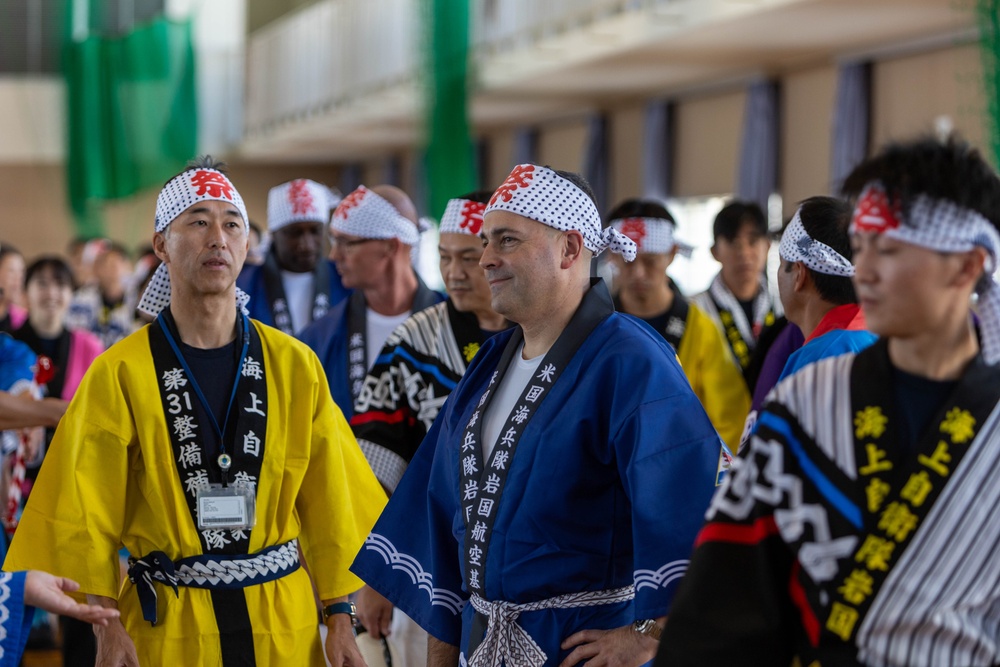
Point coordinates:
pixel 341 608
pixel 648 627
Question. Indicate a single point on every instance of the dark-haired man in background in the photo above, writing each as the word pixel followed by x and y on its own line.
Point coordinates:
pixel 739 298
pixel 645 291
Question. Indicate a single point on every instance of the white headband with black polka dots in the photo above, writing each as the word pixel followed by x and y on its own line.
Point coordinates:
pixel 652 235
pixel 462 216
pixel 797 246
pixel 363 213
pixel 942 226
pixel 300 200
pixel 540 194
pixel 178 195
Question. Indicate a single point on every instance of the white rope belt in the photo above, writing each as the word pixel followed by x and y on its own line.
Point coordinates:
pixel 506 643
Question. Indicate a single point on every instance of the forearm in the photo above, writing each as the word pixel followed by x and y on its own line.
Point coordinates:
pixel 23 412
pixel 440 654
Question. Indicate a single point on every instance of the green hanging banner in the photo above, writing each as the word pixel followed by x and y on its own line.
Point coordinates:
pixel 450 161
pixel 131 108
pixel 989 39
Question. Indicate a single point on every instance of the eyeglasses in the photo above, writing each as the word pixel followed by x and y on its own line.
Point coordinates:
pixel 348 245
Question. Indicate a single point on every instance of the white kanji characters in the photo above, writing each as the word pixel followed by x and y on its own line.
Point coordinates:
pixel 470 441
pixel 252 368
pixel 251 444
pixel 356 356
pixel 492 484
pixel 357 340
pixel 534 393
pixel 174 379
pixel 471 490
pixel 356 372
pixel 485 506
pixel 196 480
pixel 474 578
pixel 482 399
pixel 254 408
pixel 280 306
pixel 547 373
pixel 322 303
pixel 184 427
pixel 479 532
pixel 237 534
pixel 215 539
pixel 242 478
pixel 190 455
pixel 476 555
pixel 500 459
pixel 474 419
pixel 508 437
pixel 469 465
pixel 521 415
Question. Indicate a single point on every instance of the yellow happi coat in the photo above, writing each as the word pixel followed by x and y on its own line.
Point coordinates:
pixel 714 375
pixel 110 480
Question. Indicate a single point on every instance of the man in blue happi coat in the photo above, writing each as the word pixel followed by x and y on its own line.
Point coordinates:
pixel 549 514
pixel 295 285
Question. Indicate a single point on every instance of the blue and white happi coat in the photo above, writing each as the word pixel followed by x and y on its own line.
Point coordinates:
pixel 603 497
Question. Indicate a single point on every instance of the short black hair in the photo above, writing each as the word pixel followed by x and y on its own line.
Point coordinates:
pixel 951 170
pixel 114 247
pixel 641 208
pixel 200 162
pixel 479 196
pixel 827 219
pixel 577 180
pixel 56 266
pixel 7 250
pixel 734 215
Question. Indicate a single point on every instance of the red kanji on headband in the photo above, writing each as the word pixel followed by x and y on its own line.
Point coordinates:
pixel 519 178
pixel 212 183
pixel 873 212
pixel 635 229
pixel 471 216
pixel 300 198
pixel 350 201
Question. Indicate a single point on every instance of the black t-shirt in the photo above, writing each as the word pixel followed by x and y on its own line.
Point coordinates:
pixel 917 401
pixel 747 307
pixel 214 371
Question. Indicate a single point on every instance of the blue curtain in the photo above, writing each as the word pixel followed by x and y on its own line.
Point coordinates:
pixel 658 150
pixel 483 149
pixel 851 121
pixel 757 177
pixel 525 147
pixel 392 173
pixel 596 158
pixel 350 177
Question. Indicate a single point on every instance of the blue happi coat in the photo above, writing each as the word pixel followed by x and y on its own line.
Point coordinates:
pixel 607 488
pixel 252 281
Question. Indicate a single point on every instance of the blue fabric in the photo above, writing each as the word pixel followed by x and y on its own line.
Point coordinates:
pixel 757 176
pixel 251 281
pixel 831 344
pixel 16 362
pixel 16 623
pixel 612 475
pixel 327 337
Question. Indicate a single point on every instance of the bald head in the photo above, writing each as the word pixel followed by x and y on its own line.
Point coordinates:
pixel 399 200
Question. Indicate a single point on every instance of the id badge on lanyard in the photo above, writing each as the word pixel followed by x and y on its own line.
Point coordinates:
pixel 230 507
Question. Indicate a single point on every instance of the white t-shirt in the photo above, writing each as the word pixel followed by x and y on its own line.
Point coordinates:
pixel 518 374
pixel 299 295
pixel 377 329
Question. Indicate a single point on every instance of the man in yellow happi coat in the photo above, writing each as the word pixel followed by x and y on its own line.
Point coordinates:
pixel 208 446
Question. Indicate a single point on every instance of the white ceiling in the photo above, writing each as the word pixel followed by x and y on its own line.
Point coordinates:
pixel 682 48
